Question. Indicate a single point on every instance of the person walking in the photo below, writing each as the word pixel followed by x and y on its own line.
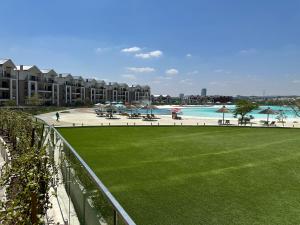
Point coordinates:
pixel 57 116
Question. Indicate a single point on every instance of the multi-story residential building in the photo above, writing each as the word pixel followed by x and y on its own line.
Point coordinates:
pixel 8 81
pixel 48 89
pixel 100 91
pixel 28 77
pixel 20 83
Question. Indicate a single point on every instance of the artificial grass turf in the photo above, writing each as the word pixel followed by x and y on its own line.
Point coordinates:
pixel 197 175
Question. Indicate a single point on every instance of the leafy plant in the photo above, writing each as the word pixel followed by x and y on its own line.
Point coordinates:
pixel 281 117
pixel 28 175
pixel 34 100
pixel 243 107
pixel 295 105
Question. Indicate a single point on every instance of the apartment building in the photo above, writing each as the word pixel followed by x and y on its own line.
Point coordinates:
pixel 20 83
pixel 8 81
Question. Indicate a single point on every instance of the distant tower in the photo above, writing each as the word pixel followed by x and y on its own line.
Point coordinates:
pixel 181 97
pixel 203 92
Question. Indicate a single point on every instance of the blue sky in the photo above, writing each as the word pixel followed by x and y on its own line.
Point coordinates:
pixel 229 47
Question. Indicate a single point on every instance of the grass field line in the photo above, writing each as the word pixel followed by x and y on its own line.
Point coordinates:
pixel 181 178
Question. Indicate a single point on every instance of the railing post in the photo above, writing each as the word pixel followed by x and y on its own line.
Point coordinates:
pixel 115 218
pixel 83 214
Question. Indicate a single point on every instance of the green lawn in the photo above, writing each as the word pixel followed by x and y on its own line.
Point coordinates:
pixel 197 175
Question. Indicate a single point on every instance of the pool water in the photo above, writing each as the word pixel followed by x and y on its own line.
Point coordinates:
pixel 210 111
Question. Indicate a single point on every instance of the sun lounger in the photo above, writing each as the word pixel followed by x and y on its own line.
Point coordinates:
pixel 101 114
pixel 134 116
pixel 177 117
pixel 148 117
pixel 273 123
pixel 152 116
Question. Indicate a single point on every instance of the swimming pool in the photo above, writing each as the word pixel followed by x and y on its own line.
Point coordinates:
pixel 210 111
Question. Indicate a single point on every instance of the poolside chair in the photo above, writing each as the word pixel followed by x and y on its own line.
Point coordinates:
pixel 265 123
pixel 227 122
pixel 100 114
pixel 273 123
pixel 177 117
pixel 220 122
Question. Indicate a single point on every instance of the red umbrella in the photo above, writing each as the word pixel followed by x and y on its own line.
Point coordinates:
pixel 176 110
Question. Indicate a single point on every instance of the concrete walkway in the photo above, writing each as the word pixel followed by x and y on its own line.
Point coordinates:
pixel 88 117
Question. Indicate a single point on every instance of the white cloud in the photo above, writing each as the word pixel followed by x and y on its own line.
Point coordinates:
pixel 148 55
pixel 248 51
pixel 129 76
pixel 172 72
pixel 189 55
pixel 296 81
pixel 141 69
pixel 131 50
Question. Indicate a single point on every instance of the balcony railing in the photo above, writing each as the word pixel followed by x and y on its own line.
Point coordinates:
pixel 7 75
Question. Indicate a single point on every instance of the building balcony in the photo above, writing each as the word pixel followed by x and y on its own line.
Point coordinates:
pixel 7 76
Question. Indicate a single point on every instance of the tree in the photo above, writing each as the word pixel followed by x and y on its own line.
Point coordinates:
pixel 10 102
pixel 295 105
pixel 243 107
pixel 34 100
pixel 281 117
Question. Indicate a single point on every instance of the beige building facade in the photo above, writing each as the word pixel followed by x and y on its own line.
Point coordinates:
pixel 21 83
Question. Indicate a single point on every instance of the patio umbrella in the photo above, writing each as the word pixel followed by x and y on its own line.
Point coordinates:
pixel 131 107
pixel 268 111
pixel 110 108
pixel 120 106
pixel 223 110
pixel 100 106
pixel 176 110
pixel 151 107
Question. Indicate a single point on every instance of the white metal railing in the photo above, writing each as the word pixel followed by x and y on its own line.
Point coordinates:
pixel 85 193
